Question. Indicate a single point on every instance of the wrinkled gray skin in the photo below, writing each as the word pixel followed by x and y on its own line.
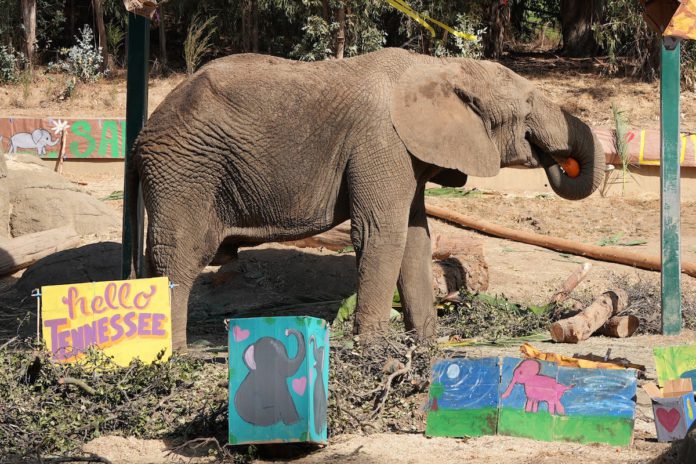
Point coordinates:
pixel 263 397
pixel 319 399
pixel 39 139
pixel 255 148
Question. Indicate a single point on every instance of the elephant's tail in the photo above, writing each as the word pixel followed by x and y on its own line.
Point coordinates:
pixel 132 218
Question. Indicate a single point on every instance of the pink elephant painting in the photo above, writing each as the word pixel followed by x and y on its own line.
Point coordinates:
pixel 537 387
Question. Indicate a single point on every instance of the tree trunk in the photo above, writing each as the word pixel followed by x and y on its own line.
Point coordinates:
pixel 101 31
pixel 254 26
pixel 325 11
pixel 498 19
pixel 341 36
pixel 70 31
pixel 246 26
pixel 18 253
pixel 577 19
pixel 162 37
pixel 29 19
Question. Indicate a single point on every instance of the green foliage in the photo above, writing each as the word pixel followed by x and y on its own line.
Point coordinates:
pixel 11 64
pixel 631 47
pixel 83 60
pixel 114 38
pixel 11 30
pixel 198 41
pixel 50 408
pixel 615 240
pixel 50 20
pixel 452 192
pixel 493 317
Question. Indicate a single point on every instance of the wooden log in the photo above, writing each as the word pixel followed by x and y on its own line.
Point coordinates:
pixel 443 246
pixel 609 254
pixel 457 272
pixel 570 283
pixel 581 326
pixel 620 326
pixel 335 239
pixel 21 252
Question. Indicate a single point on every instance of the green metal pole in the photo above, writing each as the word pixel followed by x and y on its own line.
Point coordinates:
pixel 136 114
pixel 669 184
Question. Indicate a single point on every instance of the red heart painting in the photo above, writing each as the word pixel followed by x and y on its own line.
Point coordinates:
pixel 668 419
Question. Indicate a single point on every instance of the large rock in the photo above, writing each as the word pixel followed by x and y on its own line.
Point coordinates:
pixel 96 262
pixel 41 199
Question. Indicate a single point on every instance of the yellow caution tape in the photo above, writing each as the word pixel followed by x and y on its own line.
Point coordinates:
pixel 406 9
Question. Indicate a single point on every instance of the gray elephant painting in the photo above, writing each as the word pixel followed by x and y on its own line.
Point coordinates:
pixel 319 398
pixel 263 398
pixel 39 139
pixel 254 148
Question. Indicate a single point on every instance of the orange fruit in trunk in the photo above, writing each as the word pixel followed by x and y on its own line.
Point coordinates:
pixel 571 167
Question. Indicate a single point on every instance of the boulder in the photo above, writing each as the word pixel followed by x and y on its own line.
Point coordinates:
pixel 96 262
pixel 40 199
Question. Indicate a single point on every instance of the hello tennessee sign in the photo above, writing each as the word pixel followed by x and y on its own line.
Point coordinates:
pixel 126 319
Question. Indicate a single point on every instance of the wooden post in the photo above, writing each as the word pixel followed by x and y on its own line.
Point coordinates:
pixel 61 156
pixel 136 113
pixel 669 184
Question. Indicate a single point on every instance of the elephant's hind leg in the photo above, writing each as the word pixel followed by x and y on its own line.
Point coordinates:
pixel 179 246
pixel 415 279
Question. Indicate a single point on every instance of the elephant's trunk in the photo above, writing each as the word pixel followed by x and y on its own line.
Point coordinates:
pixel 513 382
pixel 53 142
pixel 559 136
pixel 294 364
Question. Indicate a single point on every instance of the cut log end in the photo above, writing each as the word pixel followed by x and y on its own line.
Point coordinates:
pixel 620 326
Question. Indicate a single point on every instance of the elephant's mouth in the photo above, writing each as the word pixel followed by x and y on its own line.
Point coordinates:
pixel 565 163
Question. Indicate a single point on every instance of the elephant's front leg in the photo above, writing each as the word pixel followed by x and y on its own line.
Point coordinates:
pixel 415 280
pixel 379 251
pixel 380 195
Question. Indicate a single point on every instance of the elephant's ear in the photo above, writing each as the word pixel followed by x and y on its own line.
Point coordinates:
pixel 439 120
pixel 249 358
pixel 36 135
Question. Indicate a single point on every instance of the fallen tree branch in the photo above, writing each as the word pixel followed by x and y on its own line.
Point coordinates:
pixel 78 383
pixel 609 254
pixel 89 458
pixel 388 383
pixel 570 283
pixel 20 252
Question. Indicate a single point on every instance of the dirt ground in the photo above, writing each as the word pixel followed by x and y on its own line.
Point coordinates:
pixel 275 276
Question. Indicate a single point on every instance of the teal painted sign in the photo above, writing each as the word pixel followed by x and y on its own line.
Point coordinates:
pixel 278 380
pixel 86 138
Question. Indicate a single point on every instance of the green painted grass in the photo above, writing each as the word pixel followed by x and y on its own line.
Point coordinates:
pixel 462 422
pixel 582 429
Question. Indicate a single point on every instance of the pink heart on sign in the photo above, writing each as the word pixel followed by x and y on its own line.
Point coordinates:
pixel 668 419
pixel 239 333
pixel 299 385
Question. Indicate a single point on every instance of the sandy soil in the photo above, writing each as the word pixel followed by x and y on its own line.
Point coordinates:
pixel 273 275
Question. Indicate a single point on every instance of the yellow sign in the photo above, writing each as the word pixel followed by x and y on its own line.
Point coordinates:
pixel 127 319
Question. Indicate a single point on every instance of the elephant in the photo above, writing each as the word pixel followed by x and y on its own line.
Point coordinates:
pixel 38 139
pixel 537 387
pixel 263 397
pixel 255 149
pixel 319 399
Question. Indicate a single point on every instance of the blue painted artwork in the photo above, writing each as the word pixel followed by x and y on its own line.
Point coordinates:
pixel 278 380
pixel 545 401
pixel 463 397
